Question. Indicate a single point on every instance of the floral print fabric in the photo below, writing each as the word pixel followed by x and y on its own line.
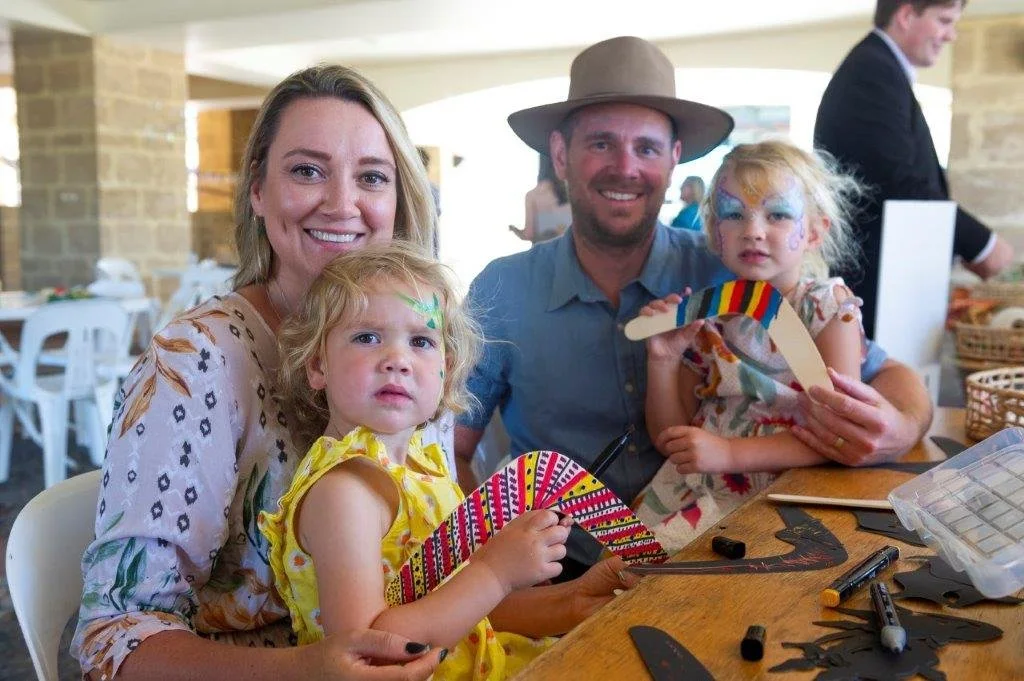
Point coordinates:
pixel 746 390
pixel 198 447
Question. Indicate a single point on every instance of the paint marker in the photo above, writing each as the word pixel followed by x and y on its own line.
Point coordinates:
pixel 752 645
pixel 610 453
pixel 730 548
pixel 891 633
pixel 839 590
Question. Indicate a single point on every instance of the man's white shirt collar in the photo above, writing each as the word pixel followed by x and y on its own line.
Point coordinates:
pixel 908 68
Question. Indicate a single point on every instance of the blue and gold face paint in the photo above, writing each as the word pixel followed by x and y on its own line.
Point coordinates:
pixel 789 205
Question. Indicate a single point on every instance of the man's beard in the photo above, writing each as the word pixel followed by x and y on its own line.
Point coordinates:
pixel 589 227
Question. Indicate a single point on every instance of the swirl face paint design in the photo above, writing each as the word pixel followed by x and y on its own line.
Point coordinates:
pixel 790 206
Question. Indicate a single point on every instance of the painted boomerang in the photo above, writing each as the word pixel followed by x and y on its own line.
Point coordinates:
pixel 534 480
pixel 758 300
pixel 814 548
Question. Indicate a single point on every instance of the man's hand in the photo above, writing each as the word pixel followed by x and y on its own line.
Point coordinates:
pixel 598 585
pixel 855 425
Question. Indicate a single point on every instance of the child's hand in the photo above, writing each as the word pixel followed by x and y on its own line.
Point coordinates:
pixel 527 550
pixel 695 450
pixel 668 347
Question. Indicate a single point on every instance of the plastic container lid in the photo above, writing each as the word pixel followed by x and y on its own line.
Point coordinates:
pixel 970 509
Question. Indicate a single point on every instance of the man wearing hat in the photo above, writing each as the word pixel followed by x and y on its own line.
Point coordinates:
pixel 556 362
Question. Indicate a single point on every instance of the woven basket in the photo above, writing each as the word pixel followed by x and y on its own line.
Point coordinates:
pixel 978 346
pixel 995 400
pixel 1005 292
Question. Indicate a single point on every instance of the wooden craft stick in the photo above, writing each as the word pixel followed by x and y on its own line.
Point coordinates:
pixel 830 501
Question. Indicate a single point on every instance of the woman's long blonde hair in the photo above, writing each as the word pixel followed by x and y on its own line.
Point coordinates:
pixel 828 191
pixel 340 294
pixel 416 214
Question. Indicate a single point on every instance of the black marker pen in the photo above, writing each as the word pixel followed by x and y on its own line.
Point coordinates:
pixel 839 590
pixel 891 633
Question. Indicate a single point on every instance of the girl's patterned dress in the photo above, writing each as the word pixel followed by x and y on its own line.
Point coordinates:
pixel 427 495
pixel 746 390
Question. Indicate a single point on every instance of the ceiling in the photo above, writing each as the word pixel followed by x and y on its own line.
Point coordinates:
pixel 260 41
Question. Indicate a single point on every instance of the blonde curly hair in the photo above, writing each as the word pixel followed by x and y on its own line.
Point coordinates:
pixel 829 193
pixel 339 295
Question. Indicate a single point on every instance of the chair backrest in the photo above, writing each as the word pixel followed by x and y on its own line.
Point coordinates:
pixel 198 282
pixel 44 563
pixel 90 325
pixel 117 269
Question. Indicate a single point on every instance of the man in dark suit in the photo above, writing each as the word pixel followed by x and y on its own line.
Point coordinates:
pixel 871 122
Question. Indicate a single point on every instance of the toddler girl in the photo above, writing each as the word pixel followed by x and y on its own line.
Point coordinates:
pixel 720 398
pixel 379 347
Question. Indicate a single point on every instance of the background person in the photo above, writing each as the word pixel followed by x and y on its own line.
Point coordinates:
pixel 871 122
pixel 691 193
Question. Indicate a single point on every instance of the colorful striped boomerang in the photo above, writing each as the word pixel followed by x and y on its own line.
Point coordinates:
pixel 534 480
pixel 756 299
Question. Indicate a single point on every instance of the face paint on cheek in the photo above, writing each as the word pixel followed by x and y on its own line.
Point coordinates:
pixel 791 205
pixel 796 235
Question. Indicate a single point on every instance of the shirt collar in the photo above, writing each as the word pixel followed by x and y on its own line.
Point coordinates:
pixel 570 281
pixel 905 64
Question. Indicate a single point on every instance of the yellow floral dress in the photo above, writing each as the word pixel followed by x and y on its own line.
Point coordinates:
pixel 427 494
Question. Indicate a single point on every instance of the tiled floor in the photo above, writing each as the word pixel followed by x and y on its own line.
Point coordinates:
pixel 26 480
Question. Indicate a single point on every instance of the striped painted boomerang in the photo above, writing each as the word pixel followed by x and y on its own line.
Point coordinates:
pixel 758 300
pixel 534 480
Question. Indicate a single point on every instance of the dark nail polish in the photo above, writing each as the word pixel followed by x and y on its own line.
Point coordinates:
pixel 414 648
pixel 444 654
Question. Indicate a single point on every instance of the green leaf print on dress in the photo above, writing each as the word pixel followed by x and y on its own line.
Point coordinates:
pixel 254 501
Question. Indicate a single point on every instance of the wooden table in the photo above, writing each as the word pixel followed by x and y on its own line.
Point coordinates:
pixel 710 613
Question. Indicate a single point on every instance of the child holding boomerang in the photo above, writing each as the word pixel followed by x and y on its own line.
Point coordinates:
pixel 720 397
pixel 379 346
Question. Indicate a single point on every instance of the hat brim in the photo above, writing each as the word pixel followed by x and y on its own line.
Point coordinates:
pixel 700 127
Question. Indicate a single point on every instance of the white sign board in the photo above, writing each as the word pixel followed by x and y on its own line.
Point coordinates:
pixel 913 282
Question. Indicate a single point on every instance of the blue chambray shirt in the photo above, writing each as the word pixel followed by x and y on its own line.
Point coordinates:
pixel 556 362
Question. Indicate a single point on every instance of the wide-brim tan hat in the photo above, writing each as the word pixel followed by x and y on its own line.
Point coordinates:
pixel 632 71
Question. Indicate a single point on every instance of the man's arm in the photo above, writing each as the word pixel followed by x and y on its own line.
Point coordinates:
pixel 995 261
pixel 859 424
pixel 466 440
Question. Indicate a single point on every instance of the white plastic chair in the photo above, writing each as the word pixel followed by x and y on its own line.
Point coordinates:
pixel 198 282
pixel 44 564
pixel 81 383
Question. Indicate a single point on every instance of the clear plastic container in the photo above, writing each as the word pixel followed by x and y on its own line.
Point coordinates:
pixel 970 509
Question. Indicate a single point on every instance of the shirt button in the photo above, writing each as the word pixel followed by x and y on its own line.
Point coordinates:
pixel 620 326
pixel 629 386
pixel 632 449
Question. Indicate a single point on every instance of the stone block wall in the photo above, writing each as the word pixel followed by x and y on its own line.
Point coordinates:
pixel 102 141
pixel 10 248
pixel 986 160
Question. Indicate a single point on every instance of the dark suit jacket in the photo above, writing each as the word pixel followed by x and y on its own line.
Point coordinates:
pixel 871 122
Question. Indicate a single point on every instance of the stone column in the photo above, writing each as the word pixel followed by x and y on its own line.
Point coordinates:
pixel 986 160
pixel 102 142
pixel 222 137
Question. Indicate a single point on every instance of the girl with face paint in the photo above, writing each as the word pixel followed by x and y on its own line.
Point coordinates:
pixel 379 347
pixel 720 398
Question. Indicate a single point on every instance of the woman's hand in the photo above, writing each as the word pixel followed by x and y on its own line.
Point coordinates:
pixel 357 656
pixel 527 550
pixel 695 450
pixel 668 347
pixel 854 425
pixel 598 585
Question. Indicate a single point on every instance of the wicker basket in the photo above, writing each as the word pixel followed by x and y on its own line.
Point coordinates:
pixel 995 400
pixel 979 346
pixel 1004 292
